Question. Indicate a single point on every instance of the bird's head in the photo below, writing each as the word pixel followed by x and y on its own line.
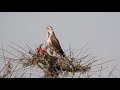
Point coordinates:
pixel 50 30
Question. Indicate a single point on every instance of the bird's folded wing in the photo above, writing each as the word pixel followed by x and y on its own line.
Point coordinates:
pixel 55 42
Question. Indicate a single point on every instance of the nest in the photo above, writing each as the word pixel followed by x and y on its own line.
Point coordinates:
pixel 52 66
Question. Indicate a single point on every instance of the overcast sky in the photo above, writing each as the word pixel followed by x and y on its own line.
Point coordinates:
pixel 101 30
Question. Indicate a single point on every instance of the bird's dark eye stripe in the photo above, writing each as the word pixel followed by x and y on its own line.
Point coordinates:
pixel 48 33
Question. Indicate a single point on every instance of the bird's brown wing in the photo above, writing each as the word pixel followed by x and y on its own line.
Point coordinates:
pixel 56 44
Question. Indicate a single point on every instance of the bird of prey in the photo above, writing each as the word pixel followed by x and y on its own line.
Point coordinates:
pixel 52 42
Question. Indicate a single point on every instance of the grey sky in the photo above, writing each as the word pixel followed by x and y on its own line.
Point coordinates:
pixel 101 30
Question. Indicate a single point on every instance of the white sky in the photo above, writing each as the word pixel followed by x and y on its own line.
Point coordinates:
pixel 101 30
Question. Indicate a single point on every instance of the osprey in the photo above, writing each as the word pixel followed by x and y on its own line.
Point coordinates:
pixel 53 43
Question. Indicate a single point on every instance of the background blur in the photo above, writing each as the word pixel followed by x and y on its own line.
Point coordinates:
pixel 101 30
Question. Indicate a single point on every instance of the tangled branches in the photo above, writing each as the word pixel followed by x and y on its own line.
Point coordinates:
pixel 40 59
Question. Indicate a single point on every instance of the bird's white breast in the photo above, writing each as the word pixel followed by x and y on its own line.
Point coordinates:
pixel 49 43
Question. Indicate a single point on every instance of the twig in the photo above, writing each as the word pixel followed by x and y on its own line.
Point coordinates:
pixel 112 71
pixel 20 47
pixel 9 52
pixel 18 51
pixel 97 71
pixel 104 62
pixel 100 71
pixel 3 54
pixel 81 50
